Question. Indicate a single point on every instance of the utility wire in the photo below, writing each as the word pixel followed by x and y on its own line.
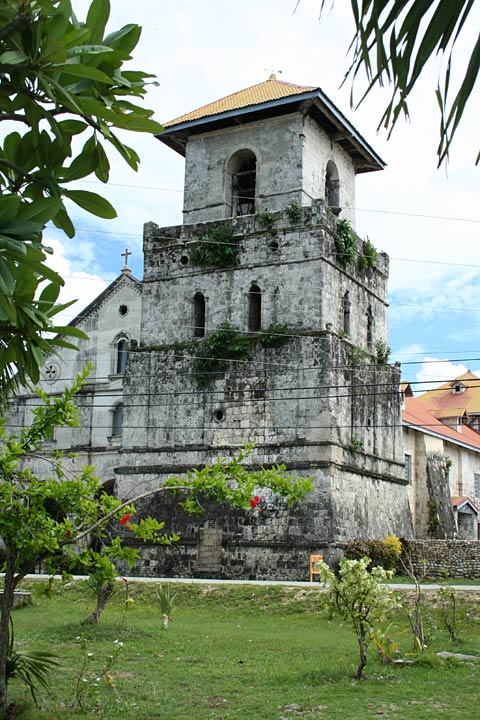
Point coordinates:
pixel 355 209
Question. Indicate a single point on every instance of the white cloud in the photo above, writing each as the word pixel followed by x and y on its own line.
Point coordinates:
pixel 79 285
pixel 435 372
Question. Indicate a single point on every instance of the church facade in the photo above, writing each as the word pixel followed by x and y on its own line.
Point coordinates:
pixel 262 320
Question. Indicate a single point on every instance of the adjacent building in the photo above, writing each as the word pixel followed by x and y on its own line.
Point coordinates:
pixel 442 466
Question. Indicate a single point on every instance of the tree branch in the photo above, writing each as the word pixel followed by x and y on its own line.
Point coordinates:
pixel 20 21
pixel 112 513
pixel 17 169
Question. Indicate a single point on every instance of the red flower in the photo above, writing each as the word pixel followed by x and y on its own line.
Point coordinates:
pixel 254 502
pixel 124 520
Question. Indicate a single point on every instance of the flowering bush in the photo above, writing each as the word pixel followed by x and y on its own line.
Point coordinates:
pixel 359 596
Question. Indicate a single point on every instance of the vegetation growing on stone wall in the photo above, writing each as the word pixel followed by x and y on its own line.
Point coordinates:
pixel 274 336
pixel 345 243
pixel 214 353
pixel 294 213
pixel 382 352
pixel 368 258
pixel 356 356
pixel 227 343
pixel 267 220
pixel 218 247
pixel 433 516
pixel 355 445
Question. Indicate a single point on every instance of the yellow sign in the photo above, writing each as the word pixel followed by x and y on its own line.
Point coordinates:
pixel 313 565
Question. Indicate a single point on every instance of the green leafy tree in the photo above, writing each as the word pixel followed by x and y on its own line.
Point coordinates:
pixel 54 519
pixel 358 595
pixel 393 42
pixel 64 95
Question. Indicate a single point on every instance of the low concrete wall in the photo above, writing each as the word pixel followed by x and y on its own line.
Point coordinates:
pixel 457 558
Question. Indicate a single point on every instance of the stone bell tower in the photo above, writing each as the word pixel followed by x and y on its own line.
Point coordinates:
pixel 269 174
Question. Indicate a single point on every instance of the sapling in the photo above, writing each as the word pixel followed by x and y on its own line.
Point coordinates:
pixel 358 595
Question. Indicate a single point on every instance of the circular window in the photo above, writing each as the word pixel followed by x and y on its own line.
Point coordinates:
pixel 219 415
pixel 123 310
pixel 184 260
pixel 274 246
pixel 51 372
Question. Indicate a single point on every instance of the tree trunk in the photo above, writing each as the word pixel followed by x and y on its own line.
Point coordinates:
pixel 7 604
pixel 103 596
pixel 363 655
pixel 164 621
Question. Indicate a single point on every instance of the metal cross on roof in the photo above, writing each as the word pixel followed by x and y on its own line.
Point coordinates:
pixel 126 255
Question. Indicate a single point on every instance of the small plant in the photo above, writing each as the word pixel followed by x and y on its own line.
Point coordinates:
pixel 355 445
pixel 274 336
pixel 345 243
pixel 382 352
pixel 360 596
pixel 218 247
pixel 386 640
pixel 213 354
pixel 166 599
pixel 356 356
pixel 415 615
pixel 368 258
pixel 294 213
pixel 30 667
pixel 449 599
pixel 267 220
pixel 91 678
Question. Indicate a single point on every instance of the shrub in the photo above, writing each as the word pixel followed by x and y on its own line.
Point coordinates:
pixel 218 247
pixel 274 336
pixel 214 353
pixel 294 213
pixel 345 243
pixel 382 553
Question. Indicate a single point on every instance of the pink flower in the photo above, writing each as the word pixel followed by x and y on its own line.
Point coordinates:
pixel 124 520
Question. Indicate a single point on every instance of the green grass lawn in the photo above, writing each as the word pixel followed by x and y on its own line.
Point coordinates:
pixel 238 653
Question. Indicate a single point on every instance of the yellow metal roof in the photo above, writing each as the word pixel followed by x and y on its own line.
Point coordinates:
pixel 442 402
pixel 271 89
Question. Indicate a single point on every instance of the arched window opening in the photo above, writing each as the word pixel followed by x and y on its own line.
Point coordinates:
pixel 346 313
pixel 369 328
pixel 121 356
pixel 117 420
pixel 199 315
pixel 242 169
pixel 254 308
pixel 332 188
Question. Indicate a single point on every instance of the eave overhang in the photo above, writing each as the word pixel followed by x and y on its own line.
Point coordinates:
pixel 314 103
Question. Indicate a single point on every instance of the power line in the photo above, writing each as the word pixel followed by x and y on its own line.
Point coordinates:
pixel 258 428
pixel 355 209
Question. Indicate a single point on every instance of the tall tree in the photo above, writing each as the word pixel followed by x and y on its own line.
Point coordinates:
pixel 49 519
pixel 64 93
pixel 393 42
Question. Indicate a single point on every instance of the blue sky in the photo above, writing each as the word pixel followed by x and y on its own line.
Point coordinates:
pixel 427 220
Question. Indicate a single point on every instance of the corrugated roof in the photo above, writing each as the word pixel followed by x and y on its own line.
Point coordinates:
pixel 442 402
pixel 415 413
pixel 271 89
